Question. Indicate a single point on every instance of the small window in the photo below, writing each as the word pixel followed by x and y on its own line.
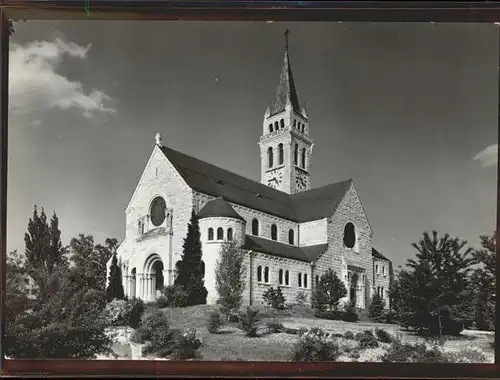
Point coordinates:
pixel 299 280
pixel 383 270
pixel 317 280
pixel 220 233
pixel 276 126
pixel 295 123
pixel 302 128
pixel 280 277
pixel 382 292
pixel 139 225
pixel 255 227
pixel 210 233
pixel 280 154
pixel 290 237
pixel 303 163
pixel 259 273
pixel 270 128
pixel 266 275
pixel 296 154
pixel 305 280
pixel 229 234
pixel 376 269
pixel 287 278
pixel 270 157
pixel 274 232
pixel 282 123
pixel 349 235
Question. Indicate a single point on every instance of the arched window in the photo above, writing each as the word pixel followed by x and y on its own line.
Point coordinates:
pixel 229 234
pixel 220 233
pixel 270 127
pixel 280 154
pixel 140 230
pixel 259 273
pixel 282 123
pixel 290 237
pixel 157 211
pixel 350 236
pixel 270 157
pixel 298 126
pixel 287 278
pixel 210 233
pixel 305 280
pixel 295 123
pixel 296 154
pixel 302 129
pixel 255 227
pixel 299 280
pixel 274 232
pixel 317 280
pixel 376 269
pixel 280 276
pixel 266 275
pixel 303 158
pixel 276 126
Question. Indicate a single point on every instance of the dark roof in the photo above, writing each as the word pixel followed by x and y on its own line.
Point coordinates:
pixel 274 248
pixel 378 255
pixel 212 180
pixel 218 208
pixel 286 89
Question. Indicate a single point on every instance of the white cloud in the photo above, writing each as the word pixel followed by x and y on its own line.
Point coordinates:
pixel 488 156
pixel 35 84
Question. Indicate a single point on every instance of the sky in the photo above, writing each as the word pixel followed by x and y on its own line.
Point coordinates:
pixel 407 110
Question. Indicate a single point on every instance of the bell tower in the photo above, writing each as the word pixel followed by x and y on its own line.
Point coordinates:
pixel 285 145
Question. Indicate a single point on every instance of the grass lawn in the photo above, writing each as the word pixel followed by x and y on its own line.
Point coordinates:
pixel 230 344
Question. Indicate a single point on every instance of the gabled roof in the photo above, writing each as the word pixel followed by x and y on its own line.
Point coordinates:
pixel 286 89
pixel 212 180
pixel 218 208
pixel 378 255
pixel 274 248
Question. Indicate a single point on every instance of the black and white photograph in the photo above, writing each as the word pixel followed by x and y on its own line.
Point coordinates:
pixel 252 191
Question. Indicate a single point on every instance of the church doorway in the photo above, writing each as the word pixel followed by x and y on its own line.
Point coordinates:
pixel 153 280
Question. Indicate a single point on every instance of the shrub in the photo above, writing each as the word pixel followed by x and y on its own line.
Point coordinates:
pixel 274 298
pixel 248 322
pixel 116 312
pixel 400 352
pixel 162 302
pixel 358 336
pixel 349 335
pixel 334 315
pixel 468 355
pixel 315 346
pixel 350 314
pixel 329 291
pixel 301 298
pixel 376 309
pixel 214 322
pixel 275 325
pixel 175 296
pixel 186 345
pixel 383 335
pixel 136 312
pixel 368 340
pixel 154 330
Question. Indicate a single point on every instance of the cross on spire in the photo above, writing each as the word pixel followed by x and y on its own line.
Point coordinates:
pixel 286 38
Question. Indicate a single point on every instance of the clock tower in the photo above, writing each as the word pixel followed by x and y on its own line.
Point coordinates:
pixel 285 145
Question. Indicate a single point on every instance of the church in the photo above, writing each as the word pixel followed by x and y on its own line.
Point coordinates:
pixel 291 233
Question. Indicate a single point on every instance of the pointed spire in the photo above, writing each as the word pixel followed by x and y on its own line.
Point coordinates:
pixel 287 92
pixel 158 140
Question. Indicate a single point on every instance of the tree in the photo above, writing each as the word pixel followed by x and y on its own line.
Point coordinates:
pixel 433 290
pixel 484 283
pixel 329 291
pixel 191 271
pixel 230 276
pixel 115 286
pixel 376 309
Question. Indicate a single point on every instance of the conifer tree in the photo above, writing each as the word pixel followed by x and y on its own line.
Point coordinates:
pixel 329 291
pixel 191 271
pixel 115 286
pixel 229 276
pixel 376 308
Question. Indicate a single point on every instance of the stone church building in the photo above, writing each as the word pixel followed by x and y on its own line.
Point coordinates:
pixel 291 233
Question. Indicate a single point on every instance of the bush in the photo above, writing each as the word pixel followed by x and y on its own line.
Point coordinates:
pixel 162 302
pixel 383 336
pixel 358 336
pixel 116 312
pixel 175 296
pixel 214 322
pixel 137 310
pixel 350 314
pixel 334 315
pixel 376 309
pixel 367 340
pixel 274 298
pixel 400 352
pixel 154 330
pixel 301 298
pixel 468 355
pixel 186 345
pixel 248 322
pixel 349 335
pixel 275 326
pixel 315 346
pixel 329 291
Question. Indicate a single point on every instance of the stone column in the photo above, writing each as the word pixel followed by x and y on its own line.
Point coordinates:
pixel 141 286
pixel 153 286
pixel 149 288
pixel 126 285
pixel 166 277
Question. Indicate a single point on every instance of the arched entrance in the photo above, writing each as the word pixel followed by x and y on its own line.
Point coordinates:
pixel 153 279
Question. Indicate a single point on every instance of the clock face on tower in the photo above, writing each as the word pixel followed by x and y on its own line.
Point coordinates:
pixel 301 181
pixel 274 178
